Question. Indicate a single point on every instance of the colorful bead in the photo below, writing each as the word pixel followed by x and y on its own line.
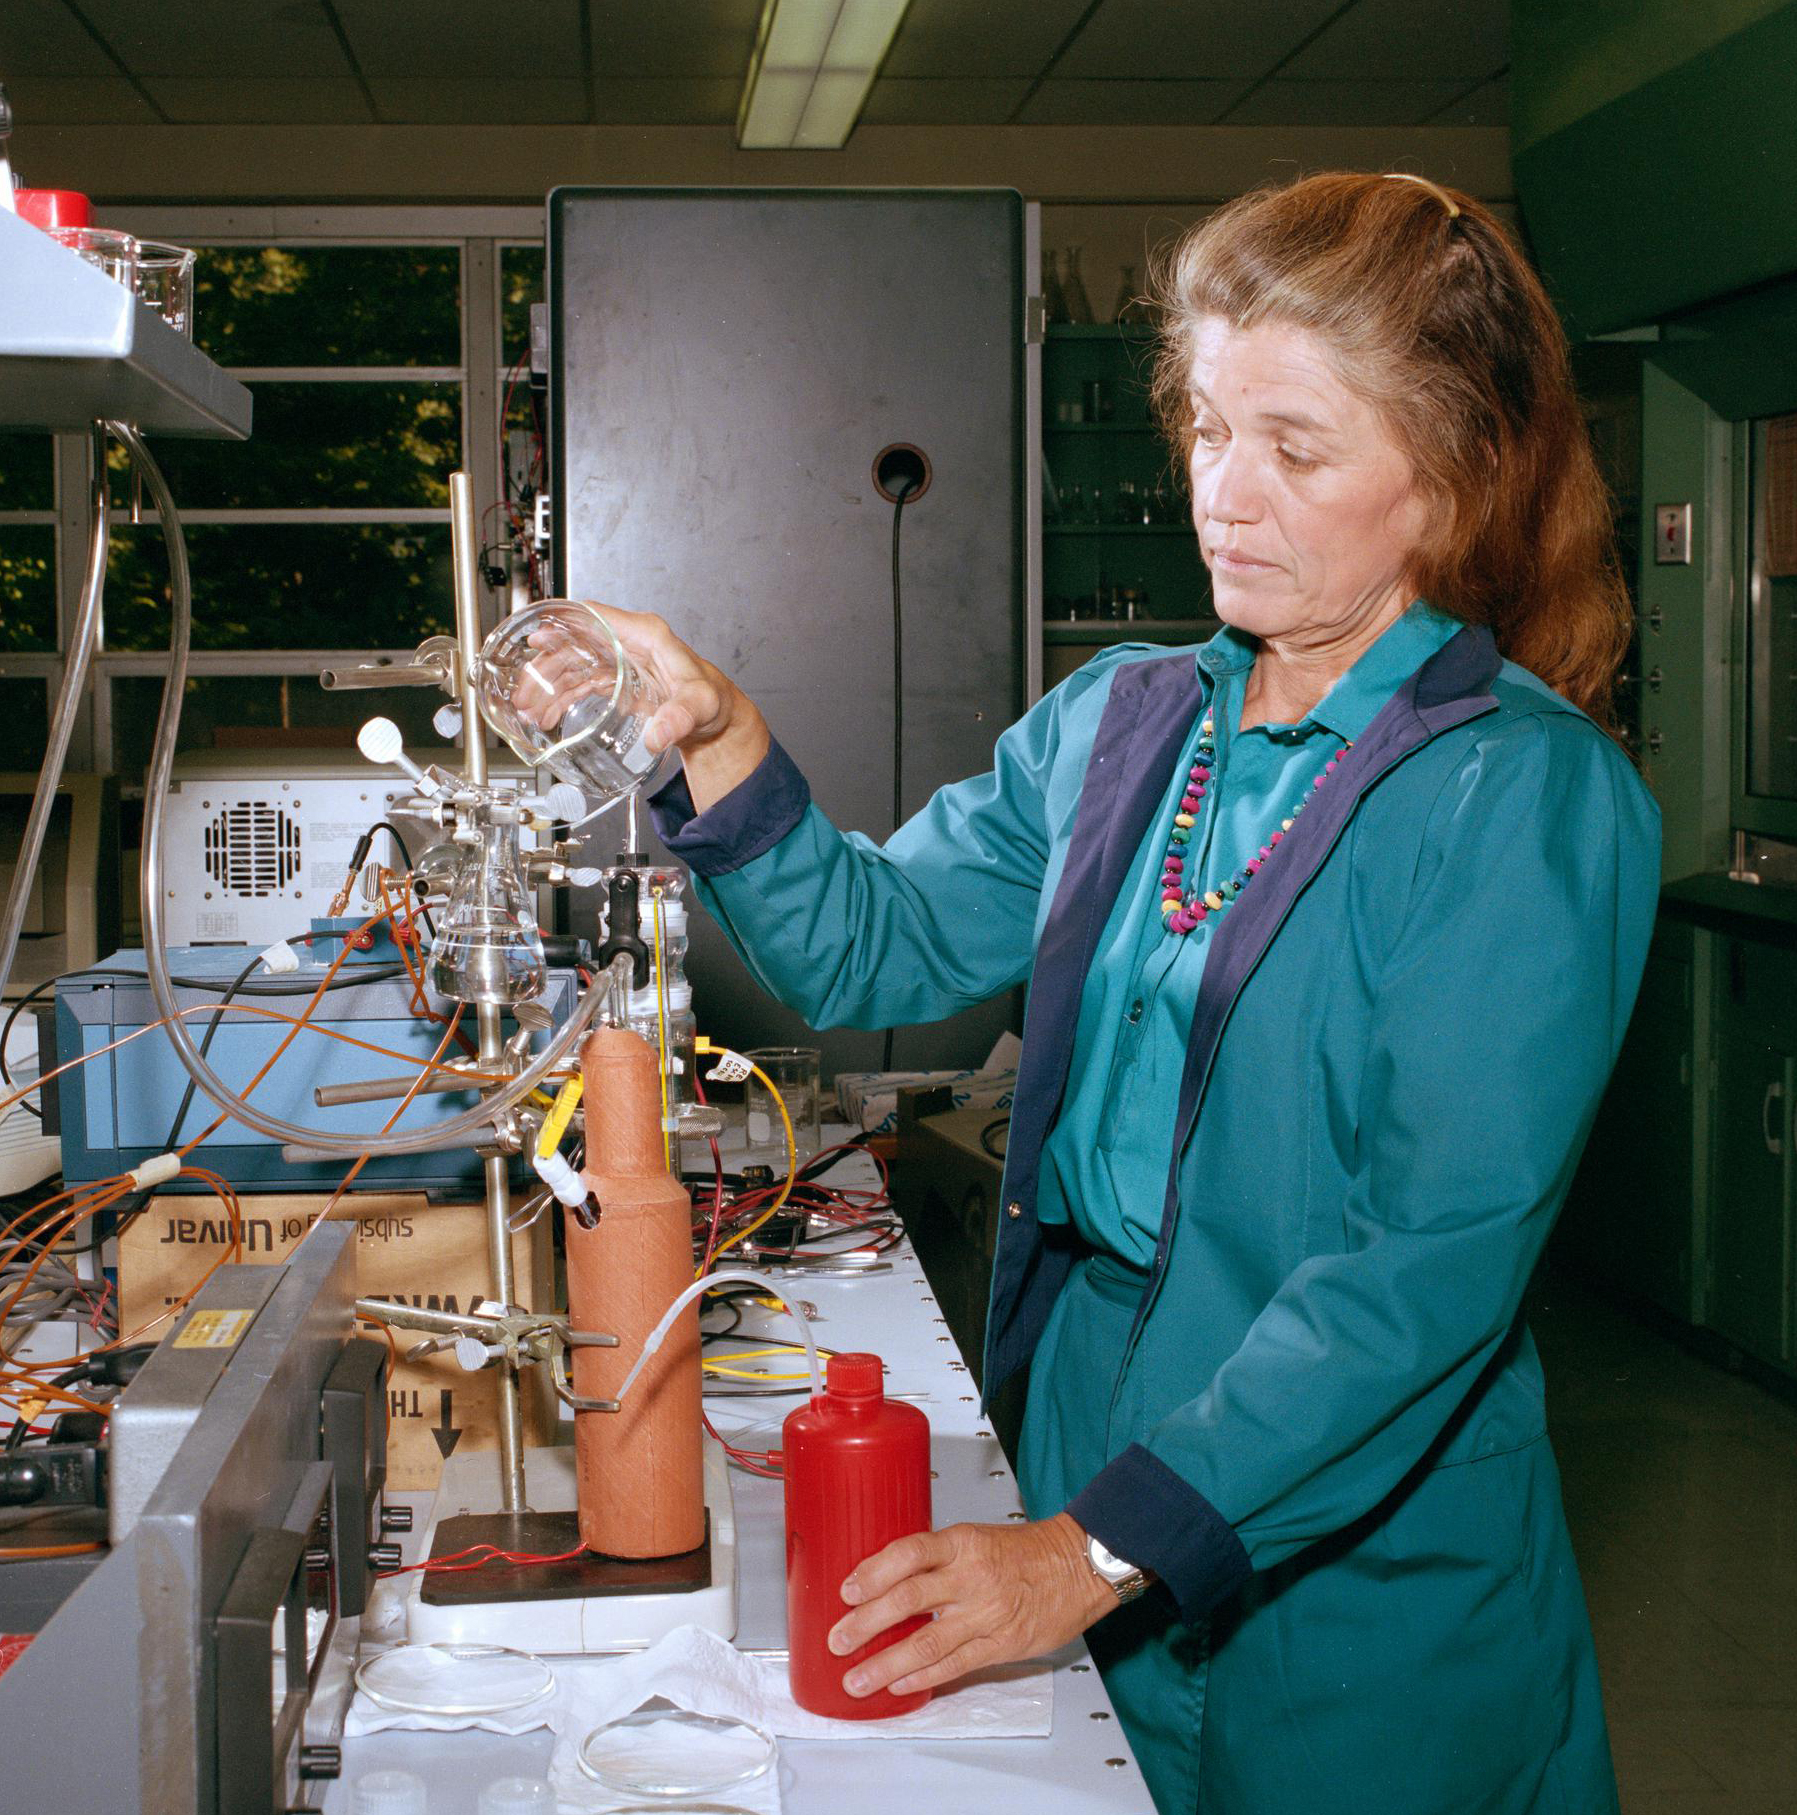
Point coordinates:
pixel 1180 913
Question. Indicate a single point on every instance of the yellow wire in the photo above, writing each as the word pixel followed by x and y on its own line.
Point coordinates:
pixel 555 1124
pixel 792 1147
pixel 661 1024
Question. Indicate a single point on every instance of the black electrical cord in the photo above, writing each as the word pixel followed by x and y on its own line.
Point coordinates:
pixel 904 490
pixel 992 1128
pixel 112 1367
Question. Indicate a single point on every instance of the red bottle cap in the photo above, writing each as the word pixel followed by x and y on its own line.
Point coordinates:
pixel 48 208
pixel 856 1376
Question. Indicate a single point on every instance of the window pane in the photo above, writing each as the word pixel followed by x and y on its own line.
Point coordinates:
pixel 520 285
pixel 24 723
pixel 287 586
pixel 329 305
pixel 291 710
pixel 27 586
pixel 27 476
pixel 374 445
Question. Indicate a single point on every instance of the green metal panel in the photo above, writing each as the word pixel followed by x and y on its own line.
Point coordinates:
pixel 1654 152
pixel 1686 617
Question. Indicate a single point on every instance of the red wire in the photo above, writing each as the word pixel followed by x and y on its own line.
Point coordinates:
pixel 448 1564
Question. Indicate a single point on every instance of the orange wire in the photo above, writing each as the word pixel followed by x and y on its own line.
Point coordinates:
pixel 13 1555
pixel 405 1102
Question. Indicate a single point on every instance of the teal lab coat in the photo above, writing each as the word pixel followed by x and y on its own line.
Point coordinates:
pixel 1316 1412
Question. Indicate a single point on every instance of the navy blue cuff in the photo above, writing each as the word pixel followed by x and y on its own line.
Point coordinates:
pixel 749 821
pixel 1140 1510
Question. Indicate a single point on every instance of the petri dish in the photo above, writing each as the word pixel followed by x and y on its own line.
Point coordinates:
pixel 668 1752
pixel 454 1679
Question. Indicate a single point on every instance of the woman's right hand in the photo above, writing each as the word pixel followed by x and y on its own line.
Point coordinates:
pixel 717 728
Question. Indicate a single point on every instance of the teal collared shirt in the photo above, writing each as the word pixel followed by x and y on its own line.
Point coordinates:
pixel 1105 1164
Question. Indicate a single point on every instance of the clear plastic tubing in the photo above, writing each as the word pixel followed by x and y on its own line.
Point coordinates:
pixel 462 1129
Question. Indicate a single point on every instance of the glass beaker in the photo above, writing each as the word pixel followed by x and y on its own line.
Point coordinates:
pixel 115 253
pixel 488 948
pixel 555 683
pixel 165 282
pixel 794 1071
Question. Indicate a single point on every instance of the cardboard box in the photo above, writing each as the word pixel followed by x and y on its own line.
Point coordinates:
pixel 410 1250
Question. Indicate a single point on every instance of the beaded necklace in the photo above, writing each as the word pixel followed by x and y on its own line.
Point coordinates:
pixel 1182 911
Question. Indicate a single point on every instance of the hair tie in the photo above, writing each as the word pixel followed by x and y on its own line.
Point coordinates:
pixel 1435 189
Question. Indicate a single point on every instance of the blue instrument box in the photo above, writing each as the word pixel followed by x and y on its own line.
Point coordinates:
pixel 116 1110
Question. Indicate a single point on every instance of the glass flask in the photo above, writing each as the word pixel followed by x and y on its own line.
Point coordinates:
pixel 1132 308
pixel 1054 298
pixel 1073 286
pixel 553 680
pixel 488 948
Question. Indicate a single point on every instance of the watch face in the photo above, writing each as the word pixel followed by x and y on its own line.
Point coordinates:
pixel 1107 1564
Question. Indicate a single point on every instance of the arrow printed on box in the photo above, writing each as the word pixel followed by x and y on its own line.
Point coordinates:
pixel 446 1434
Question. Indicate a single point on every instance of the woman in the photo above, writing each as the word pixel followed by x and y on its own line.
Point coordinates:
pixel 1332 930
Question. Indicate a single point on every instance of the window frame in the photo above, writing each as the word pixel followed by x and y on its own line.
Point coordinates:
pixel 480 233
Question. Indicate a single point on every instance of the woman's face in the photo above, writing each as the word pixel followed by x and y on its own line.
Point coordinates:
pixel 1303 505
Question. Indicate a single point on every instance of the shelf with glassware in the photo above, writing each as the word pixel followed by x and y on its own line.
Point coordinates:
pixel 1119 559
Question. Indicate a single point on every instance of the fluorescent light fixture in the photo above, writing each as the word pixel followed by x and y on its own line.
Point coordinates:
pixel 814 62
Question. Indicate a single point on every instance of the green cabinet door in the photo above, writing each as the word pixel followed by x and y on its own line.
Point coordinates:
pixel 1751 1204
pixel 1627 1222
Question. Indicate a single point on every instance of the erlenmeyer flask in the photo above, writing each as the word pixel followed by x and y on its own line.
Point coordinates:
pixel 488 948
pixel 1073 286
pixel 555 683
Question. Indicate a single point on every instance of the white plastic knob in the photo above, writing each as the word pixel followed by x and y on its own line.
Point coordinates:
pixel 565 801
pixel 379 740
pixel 585 878
pixel 446 721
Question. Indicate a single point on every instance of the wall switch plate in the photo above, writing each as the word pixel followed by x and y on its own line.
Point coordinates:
pixel 1672 535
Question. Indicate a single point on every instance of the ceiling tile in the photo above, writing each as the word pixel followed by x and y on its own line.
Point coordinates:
pixel 674 37
pixel 1393 40
pixel 910 101
pixel 462 38
pixel 263 101
pixel 43 38
pixel 491 101
pixel 1058 103
pixel 646 101
pixel 1487 105
pixel 69 101
pixel 1199 39
pixel 1281 103
pixel 950 40
pixel 288 40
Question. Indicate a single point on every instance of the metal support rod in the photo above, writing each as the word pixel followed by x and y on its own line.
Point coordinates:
pixel 379 1090
pixel 465 549
pixel 62 719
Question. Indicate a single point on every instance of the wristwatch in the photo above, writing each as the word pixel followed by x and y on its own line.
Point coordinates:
pixel 1124 1580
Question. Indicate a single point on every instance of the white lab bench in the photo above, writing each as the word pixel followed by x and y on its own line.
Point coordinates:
pixel 1083 1767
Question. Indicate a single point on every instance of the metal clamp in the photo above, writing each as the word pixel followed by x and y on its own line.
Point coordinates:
pixel 436 664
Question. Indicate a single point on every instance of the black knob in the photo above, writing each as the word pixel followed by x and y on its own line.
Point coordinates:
pixel 321 1761
pixel 318 1559
pixel 383 1556
pixel 396 1518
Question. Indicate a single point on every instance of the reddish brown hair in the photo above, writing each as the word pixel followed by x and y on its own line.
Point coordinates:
pixel 1432 315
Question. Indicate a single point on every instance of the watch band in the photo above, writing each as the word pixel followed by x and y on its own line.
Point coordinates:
pixel 1124 1580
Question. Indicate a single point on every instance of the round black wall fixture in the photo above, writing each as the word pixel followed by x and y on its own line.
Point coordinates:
pixel 901 470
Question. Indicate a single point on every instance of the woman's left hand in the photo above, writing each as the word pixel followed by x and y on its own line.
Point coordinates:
pixel 998 1592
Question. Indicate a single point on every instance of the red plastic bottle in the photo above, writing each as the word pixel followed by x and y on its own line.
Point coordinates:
pixel 857 1468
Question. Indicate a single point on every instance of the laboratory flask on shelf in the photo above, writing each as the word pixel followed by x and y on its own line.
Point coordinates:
pixel 488 947
pixel 553 680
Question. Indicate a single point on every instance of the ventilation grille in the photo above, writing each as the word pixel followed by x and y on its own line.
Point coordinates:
pixel 252 848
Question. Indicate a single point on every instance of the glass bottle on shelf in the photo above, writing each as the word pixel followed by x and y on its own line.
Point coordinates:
pixel 1095 510
pixel 1124 507
pixel 1073 288
pixel 1132 308
pixel 1054 296
pixel 1073 504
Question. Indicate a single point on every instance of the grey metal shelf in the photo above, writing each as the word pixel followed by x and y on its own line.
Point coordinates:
pixel 76 348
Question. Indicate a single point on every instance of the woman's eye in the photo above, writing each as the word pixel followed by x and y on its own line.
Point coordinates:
pixel 1295 461
pixel 1208 434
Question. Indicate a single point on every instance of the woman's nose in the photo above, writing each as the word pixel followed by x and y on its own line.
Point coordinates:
pixel 1226 486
